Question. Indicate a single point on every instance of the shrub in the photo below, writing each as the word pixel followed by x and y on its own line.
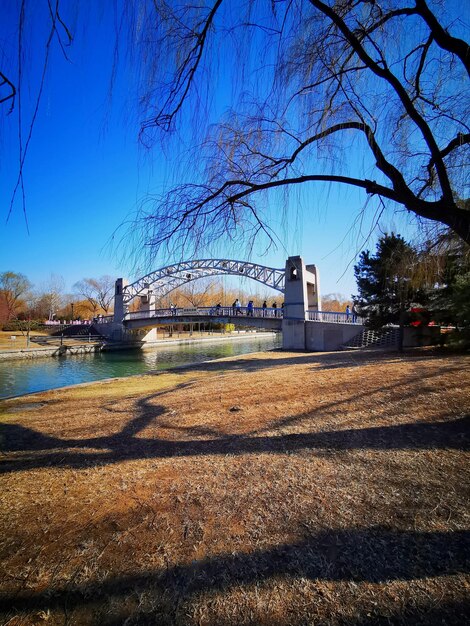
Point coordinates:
pixel 21 325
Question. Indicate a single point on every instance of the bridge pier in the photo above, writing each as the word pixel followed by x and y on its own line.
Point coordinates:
pixel 301 293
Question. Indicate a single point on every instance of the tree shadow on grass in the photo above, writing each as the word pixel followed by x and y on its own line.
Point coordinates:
pixel 321 360
pixel 374 555
pixel 45 451
pixel 451 434
pixel 410 613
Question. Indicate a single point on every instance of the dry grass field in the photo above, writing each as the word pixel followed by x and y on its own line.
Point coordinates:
pixel 270 489
pixel 20 341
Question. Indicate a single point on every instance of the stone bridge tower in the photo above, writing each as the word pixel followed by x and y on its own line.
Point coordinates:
pixel 301 293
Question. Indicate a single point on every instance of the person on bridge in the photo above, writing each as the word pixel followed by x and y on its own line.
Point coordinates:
pixel 265 306
pixel 250 308
pixel 275 308
pixel 354 313
pixel 218 307
pixel 348 313
pixel 236 307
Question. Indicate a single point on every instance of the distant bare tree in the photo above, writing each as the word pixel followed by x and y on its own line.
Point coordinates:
pixel 51 294
pixel 99 292
pixel 13 288
pixel 200 292
pixel 335 302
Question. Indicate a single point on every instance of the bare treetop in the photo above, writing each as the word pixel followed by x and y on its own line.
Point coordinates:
pixel 366 94
pixel 99 292
pixel 274 95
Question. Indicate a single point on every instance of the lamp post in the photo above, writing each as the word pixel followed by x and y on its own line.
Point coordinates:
pixel 71 305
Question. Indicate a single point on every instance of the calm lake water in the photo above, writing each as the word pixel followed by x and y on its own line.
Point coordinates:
pixel 26 376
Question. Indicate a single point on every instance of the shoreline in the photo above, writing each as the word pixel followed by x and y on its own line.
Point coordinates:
pixel 88 348
pixel 186 366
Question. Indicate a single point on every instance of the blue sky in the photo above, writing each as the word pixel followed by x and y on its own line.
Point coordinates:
pixel 85 174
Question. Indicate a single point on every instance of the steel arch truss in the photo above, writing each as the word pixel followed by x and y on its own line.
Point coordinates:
pixel 163 281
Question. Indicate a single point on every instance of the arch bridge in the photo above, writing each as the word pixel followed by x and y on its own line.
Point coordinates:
pixel 163 281
pixel 303 324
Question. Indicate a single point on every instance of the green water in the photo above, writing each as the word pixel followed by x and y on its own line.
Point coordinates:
pixel 27 376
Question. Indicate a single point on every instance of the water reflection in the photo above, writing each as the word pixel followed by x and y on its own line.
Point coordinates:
pixel 26 376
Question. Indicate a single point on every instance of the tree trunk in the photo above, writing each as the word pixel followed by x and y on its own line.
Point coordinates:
pixel 401 330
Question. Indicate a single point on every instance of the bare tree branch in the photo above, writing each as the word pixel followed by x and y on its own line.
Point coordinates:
pixel 383 72
pixel 186 73
pixel 452 44
pixel 11 95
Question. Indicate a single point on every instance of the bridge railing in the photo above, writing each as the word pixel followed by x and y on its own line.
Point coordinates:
pixel 213 311
pixel 334 317
pixel 103 319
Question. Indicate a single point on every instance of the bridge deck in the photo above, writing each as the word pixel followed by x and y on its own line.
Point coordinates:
pixel 214 311
pixel 243 316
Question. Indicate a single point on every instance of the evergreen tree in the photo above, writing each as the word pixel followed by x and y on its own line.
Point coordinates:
pixel 389 282
pixel 450 299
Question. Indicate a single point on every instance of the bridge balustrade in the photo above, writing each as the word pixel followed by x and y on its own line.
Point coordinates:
pixel 223 311
pixel 334 317
pixel 103 319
